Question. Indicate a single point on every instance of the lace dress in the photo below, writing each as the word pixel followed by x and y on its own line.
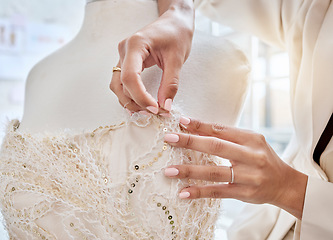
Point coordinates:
pixel 104 184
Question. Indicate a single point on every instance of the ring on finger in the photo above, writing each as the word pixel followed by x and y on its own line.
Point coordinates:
pixel 116 69
pixel 232 175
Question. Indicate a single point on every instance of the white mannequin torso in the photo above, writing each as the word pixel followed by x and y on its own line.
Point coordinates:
pixel 69 89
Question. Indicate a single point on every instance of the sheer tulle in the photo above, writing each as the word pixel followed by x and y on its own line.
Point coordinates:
pixel 104 184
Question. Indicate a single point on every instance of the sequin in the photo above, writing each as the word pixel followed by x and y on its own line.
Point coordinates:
pixel 71 224
pixel 165 129
pixel 164 207
pixel 172 222
pixel 159 204
pixel 136 167
pixel 133 184
pixel 170 217
pixel 165 148
pixel 130 191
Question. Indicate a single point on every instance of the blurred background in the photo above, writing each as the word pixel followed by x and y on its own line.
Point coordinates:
pixel 30 30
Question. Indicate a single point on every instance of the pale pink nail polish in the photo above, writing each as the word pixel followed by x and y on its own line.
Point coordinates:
pixel 145 113
pixel 184 195
pixel 153 109
pixel 168 104
pixel 171 138
pixel 184 120
pixel 171 172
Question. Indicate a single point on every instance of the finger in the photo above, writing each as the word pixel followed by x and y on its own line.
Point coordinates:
pixel 232 134
pixel 207 173
pixel 236 191
pixel 210 145
pixel 131 75
pixel 170 82
pixel 117 88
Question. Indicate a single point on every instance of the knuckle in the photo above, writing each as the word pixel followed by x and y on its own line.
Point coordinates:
pixel 215 194
pixel 215 175
pixel 215 146
pixel 112 87
pixel 249 193
pixel 186 172
pixel 197 124
pixel 121 46
pixel 189 141
pixel 261 160
pixel 173 86
pixel 258 180
pixel 198 192
pixel 134 39
pixel 261 140
pixel 218 128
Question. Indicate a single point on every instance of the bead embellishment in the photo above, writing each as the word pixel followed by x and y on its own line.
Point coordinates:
pixel 167 212
pixel 89 185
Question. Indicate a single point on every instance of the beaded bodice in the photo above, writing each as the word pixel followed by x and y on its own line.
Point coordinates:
pixel 104 184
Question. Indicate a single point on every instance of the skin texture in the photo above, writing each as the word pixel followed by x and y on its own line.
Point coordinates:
pixel 156 44
pixel 260 176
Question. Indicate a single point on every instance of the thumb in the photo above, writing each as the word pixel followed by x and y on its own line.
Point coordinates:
pixel 169 83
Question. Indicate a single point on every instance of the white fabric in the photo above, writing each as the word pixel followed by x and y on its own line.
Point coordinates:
pixel 101 184
pixel 61 179
pixel 305 30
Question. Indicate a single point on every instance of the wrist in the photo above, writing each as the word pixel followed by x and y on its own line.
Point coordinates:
pixel 292 194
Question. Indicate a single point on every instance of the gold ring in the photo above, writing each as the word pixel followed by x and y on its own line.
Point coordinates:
pixel 116 69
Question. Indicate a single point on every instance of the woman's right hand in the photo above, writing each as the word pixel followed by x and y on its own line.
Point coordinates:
pixel 166 43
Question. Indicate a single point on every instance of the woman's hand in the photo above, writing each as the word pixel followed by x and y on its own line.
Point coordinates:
pixel 166 43
pixel 260 176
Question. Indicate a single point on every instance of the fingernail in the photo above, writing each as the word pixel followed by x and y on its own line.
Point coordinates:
pixel 165 115
pixel 129 112
pixel 184 195
pixel 153 109
pixel 171 172
pixel 145 113
pixel 184 120
pixel 168 104
pixel 171 138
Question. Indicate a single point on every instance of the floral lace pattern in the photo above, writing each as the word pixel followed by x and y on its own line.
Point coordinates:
pixel 105 184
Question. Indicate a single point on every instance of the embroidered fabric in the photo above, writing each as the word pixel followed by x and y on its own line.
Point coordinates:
pixel 104 184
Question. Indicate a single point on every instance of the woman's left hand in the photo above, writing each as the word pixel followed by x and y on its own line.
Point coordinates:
pixel 260 176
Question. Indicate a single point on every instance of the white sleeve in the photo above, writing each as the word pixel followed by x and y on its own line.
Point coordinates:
pixel 268 20
pixel 318 210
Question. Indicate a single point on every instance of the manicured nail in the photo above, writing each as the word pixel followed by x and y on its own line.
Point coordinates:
pixel 129 112
pixel 184 195
pixel 171 172
pixel 168 104
pixel 145 113
pixel 165 115
pixel 184 120
pixel 171 138
pixel 153 109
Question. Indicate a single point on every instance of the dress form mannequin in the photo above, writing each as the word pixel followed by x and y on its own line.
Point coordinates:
pixel 108 183
pixel 69 89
